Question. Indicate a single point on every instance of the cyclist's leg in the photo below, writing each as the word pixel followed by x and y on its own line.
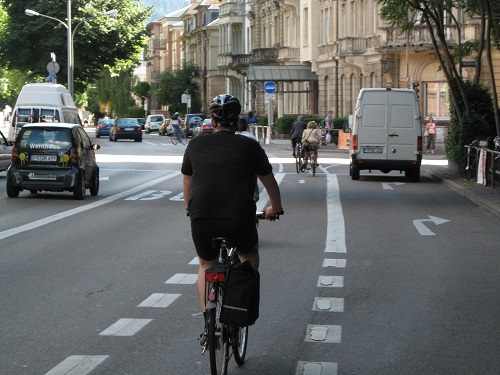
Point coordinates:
pixel 252 256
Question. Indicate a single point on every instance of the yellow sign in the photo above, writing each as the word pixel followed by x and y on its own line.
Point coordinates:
pixel 105 107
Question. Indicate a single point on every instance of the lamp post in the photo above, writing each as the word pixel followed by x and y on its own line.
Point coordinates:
pixel 70 37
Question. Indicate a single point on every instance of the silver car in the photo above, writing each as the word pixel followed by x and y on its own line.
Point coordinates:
pixel 5 153
pixel 153 123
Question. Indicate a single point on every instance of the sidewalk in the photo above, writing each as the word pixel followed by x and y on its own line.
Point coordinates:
pixel 485 196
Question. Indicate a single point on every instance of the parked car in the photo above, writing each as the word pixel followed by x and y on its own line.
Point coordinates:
pixel 193 120
pixel 153 123
pixel 103 126
pixel 53 157
pixel 165 128
pixel 5 153
pixel 126 128
pixel 204 128
pixel 142 122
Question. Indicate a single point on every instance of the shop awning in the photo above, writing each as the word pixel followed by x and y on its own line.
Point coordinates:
pixel 276 73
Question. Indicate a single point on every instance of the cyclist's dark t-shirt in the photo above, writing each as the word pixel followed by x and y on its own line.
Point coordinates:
pixel 223 168
pixel 298 128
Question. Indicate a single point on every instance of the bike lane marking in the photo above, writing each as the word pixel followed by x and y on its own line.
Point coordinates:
pixel 78 364
pixel 62 215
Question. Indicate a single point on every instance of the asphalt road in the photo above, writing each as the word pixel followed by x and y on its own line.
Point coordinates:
pixel 377 276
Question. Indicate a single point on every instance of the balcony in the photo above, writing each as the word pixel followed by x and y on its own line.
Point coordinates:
pixel 289 54
pixel 264 56
pixel 231 9
pixel 159 44
pixel 352 46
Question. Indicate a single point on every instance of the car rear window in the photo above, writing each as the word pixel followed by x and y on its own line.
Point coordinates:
pixel 156 118
pixel 127 122
pixel 45 139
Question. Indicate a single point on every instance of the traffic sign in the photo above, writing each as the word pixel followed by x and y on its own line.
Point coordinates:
pixel 268 97
pixel 270 87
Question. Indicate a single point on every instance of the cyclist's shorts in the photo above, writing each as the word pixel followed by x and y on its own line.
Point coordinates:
pixel 203 230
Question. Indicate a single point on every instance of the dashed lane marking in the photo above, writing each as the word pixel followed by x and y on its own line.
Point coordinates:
pixel 159 300
pixel 323 333
pixel 78 365
pixel 316 368
pixel 331 281
pixel 183 278
pixel 335 235
pixel 125 327
pixel 328 304
pixel 195 261
pixel 337 263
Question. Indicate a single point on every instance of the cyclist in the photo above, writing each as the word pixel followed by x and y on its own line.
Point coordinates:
pixel 298 128
pixel 218 184
pixel 311 137
pixel 243 130
pixel 176 120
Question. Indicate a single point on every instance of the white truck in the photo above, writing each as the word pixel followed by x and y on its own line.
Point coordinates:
pixel 42 102
pixel 386 132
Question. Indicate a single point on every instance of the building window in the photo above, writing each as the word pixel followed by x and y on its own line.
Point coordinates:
pixel 306 27
pixel 436 100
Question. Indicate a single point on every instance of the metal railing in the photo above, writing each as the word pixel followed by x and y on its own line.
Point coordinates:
pixel 488 163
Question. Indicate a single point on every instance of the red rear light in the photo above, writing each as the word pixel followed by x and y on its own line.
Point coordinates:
pixel 101 126
pixel 215 277
pixel 14 155
pixel 419 143
pixel 354 142
pixel 74 156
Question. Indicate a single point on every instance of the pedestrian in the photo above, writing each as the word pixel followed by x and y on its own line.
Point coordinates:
pixel 430 130
pixel 218 184
pixel 329 126
pixel 298 128
pixel 252 121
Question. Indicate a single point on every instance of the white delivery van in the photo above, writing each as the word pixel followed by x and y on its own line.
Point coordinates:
pixel 386 133
pixel 42 102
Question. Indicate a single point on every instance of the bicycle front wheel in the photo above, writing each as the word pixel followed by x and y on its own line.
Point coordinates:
pixel 184 139
pixel 468 167
pixel 298 159
pixel 218 343
pixel 240 341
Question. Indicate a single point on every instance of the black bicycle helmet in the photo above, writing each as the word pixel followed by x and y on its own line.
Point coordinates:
pixel 225 109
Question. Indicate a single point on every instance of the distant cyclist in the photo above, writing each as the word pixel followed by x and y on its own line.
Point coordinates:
pixel 311 137
pixel 219 181
pixel 176 122
pixel 298 128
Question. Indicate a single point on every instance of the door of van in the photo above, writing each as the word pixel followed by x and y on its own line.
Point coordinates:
pixel 403 126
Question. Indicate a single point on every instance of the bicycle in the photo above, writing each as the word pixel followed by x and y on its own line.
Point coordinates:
pixel 310 156
pixel 224 340
pixel 298 156
pixel 176 140
pixel 469 163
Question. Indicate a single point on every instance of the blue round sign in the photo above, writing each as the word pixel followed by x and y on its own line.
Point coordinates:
pixel 270 87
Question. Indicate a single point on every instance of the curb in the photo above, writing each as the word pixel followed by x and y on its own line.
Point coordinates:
pixel 473 197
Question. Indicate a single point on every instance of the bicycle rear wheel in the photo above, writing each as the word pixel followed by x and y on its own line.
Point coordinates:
pixel 468 167
pixel 218 343
pixel 184 138
pixel 313 164
pixel 240 341
pixel 174 138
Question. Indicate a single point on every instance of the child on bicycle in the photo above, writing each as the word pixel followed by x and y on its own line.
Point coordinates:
pixel 311 137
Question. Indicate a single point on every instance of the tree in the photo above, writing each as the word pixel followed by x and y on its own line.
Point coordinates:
pixel 437 15
pixel 115 42
pixel 142 90
pixel 173 84
pixel 115 89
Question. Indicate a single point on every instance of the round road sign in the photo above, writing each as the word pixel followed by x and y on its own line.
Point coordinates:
pixel 270 87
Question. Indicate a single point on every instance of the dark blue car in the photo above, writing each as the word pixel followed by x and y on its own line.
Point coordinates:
pixel 103 127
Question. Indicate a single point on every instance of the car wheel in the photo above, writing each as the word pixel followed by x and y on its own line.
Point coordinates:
pixel 94 189
pixel 79 189
pixel 354 172
pixel 139 139
pixel 33 191
pixel 12 191
pixel 98 135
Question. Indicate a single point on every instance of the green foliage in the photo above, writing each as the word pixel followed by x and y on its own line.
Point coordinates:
pixel 479 125
pixel 136 112
pixel 115 89
pixel 175 83
pixel 338 122
pixel 115 41
pixel 142 90
pixel 285 124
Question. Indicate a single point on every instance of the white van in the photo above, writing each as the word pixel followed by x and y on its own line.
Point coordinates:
pixel 386 132
pixel 42 102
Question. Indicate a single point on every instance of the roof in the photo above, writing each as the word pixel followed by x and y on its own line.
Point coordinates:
pixel 287 73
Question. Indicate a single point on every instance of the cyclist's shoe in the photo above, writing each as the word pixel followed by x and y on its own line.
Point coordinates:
pixel 293 153
pixel 308 167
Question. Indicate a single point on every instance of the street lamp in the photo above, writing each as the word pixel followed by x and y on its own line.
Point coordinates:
pixel 70 37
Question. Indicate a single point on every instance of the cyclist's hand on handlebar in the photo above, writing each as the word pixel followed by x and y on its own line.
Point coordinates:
pixel 273 214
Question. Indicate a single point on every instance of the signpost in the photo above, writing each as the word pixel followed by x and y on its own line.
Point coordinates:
pixel 270 96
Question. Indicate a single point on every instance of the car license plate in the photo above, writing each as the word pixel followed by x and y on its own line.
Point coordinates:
pixel 43 158
pixel 129 129
pixel 38 176
pixel 373 150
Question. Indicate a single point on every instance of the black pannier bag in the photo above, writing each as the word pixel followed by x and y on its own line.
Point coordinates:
pixel 240 304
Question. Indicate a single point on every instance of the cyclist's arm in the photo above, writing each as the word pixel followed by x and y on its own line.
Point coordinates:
pixel 186 182
pixel 273 191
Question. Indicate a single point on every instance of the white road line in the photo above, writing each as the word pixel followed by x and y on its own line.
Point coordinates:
pixel 335 234
pixel 316 368
pixel 159 300
pixel 331 282
pixel 264 198
pixel 337 263
pixel 330 334
pixel 74 211
pixel 328 304
pixel 78 365
pixel 183 278
pixel 125 327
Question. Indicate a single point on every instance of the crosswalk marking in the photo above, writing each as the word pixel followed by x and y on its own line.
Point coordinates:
pixel 159 300
pixel 125 327
pixel 78 365
pixel 183 278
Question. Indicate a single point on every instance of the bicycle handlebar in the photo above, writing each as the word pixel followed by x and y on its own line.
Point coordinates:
pixel 261 215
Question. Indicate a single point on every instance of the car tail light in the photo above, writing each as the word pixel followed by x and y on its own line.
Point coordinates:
pixel 14 155
pixel 74 156
pixel 419 143
pixel 101 126
pixel 354 142
pixel 118 129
